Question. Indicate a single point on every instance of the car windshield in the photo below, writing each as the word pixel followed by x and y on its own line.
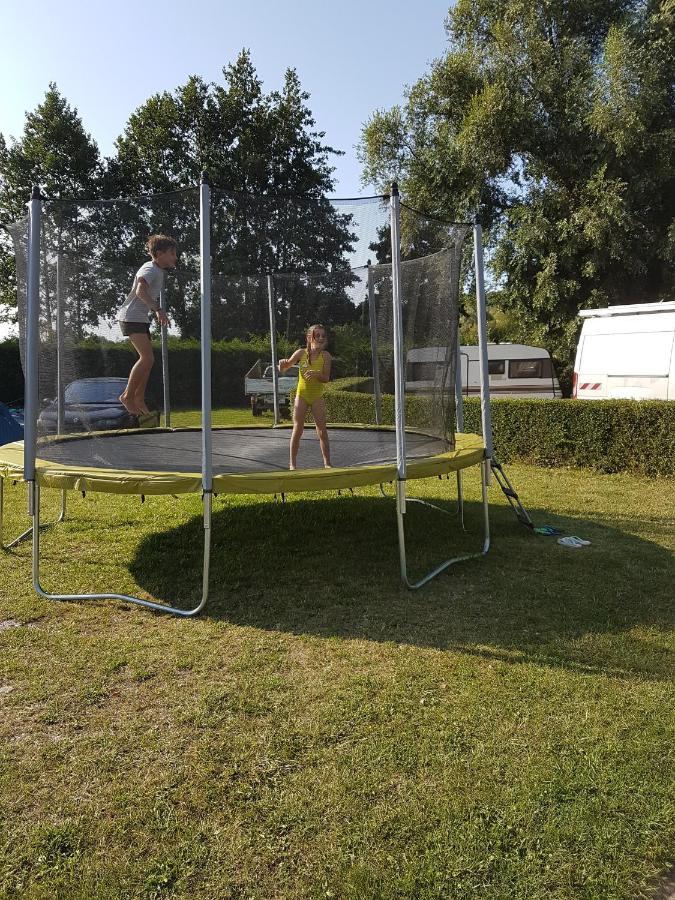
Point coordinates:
pixel 103 391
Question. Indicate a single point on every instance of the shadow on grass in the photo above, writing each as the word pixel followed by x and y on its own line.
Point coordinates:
pixel 329 567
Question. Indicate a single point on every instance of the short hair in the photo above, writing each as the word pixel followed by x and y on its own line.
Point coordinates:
pixel 158 243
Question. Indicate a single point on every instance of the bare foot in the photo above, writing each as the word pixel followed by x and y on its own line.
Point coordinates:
pixel 327 466
pixel 292 468
pixel 128 405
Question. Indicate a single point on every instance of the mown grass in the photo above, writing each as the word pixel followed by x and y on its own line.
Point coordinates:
pixel 320 732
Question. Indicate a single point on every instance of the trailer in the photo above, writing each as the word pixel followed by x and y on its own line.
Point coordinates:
pixel 515 370
pixel 259 387
pixel 626 352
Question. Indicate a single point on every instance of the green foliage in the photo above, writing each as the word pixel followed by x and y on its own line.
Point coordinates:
pixel 54 152
pixel 554 121
pixel 265 148
pixel 607 435
pixel 265 160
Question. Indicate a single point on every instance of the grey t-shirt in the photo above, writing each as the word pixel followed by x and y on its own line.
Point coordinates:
pixel 133 309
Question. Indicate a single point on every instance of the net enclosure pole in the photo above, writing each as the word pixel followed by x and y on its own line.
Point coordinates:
pixel 59 344
pixel 481 315
pixel 399 382
pixel 32 341
pixel 165 362
pixel 273 347
pixel 207 437
pixel 205 270
pixel 372 317
pixel 399 362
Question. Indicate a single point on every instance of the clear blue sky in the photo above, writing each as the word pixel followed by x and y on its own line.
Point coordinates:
pixel 108 58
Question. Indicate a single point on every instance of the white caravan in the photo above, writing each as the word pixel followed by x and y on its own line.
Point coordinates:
pixel 626 352
pixel 515 370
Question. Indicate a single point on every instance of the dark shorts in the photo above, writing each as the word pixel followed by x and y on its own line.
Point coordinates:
pixel 134 328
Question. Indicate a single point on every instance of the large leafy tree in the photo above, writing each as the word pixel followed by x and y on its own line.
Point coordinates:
pixel 553 122
pixel 270 173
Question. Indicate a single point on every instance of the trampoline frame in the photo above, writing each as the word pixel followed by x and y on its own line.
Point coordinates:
pixel 31 410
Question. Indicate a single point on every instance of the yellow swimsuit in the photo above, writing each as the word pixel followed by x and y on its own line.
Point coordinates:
pixel 310 390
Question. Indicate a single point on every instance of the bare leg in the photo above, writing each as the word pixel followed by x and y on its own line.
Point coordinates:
pixel 133 398
pixel 299 413
pixel 319 413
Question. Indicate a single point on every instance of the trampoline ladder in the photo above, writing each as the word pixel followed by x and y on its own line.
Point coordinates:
pixel 510 493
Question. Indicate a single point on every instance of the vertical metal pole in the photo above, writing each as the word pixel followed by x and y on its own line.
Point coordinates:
pixel 399 361
pixel 459 420
pixel 459 399
pixel 165 362
pixel 273 347
pixel 399 378
pixel 60 387
pixel 32 344
pixel 481 315
pixel 205 254
pixel 372 317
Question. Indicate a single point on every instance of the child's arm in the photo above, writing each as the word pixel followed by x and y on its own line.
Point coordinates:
pixel 285 364
pixel 143 293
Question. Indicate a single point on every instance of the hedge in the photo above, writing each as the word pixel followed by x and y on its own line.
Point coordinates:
pixel 93 359
pixel 608 435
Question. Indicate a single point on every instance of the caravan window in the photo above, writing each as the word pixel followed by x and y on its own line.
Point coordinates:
pixel 530 368
pixel 423 371
pixel 496 366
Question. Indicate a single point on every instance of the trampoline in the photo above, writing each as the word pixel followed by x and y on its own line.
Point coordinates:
pixel 245 460
pixel 379 309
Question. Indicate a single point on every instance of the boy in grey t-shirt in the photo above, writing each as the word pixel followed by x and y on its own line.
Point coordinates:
pixel 134 317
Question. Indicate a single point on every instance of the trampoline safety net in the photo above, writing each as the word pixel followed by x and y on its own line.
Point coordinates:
pixel 296 261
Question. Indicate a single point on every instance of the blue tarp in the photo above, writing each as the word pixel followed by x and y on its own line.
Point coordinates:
pixel 11 425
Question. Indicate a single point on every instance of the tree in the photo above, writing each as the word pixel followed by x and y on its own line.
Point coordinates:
pixel 553 121
pixel 270 173
pixel 56 153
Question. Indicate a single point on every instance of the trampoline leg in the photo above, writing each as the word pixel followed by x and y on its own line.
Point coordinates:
pixel 29 531
pixel 400 512
pixel 34 508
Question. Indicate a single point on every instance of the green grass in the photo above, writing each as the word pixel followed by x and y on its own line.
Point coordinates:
pixel 320 732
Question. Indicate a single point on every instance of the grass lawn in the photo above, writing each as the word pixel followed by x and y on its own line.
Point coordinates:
pixel 321 732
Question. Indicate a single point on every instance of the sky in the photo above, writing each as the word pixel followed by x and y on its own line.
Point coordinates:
pixel 107 59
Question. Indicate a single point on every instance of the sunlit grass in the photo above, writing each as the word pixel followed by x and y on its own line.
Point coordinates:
pixel 505 732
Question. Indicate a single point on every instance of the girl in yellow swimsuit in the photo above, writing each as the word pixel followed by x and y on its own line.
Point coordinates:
pixel 314 364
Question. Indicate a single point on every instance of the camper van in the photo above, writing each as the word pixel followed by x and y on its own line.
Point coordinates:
pixel 515 370
pixel 626 352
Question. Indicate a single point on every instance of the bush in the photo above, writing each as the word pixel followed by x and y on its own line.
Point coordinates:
pixel 609 435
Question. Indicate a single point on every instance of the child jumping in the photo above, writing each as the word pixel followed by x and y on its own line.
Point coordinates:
pixel 314 364
pixel 142 301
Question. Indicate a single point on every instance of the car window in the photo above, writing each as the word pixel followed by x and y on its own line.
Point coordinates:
pixel 93 391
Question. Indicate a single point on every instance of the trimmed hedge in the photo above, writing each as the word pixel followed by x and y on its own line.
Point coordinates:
pixel 609 435
pixel 93 359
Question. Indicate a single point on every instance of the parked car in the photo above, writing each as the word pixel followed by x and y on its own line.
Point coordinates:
pixel 92 404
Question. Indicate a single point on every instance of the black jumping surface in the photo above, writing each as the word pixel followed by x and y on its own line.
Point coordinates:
pixel 238 451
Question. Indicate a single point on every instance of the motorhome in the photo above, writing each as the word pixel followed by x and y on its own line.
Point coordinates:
pixel 515 370
pixel 626 352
